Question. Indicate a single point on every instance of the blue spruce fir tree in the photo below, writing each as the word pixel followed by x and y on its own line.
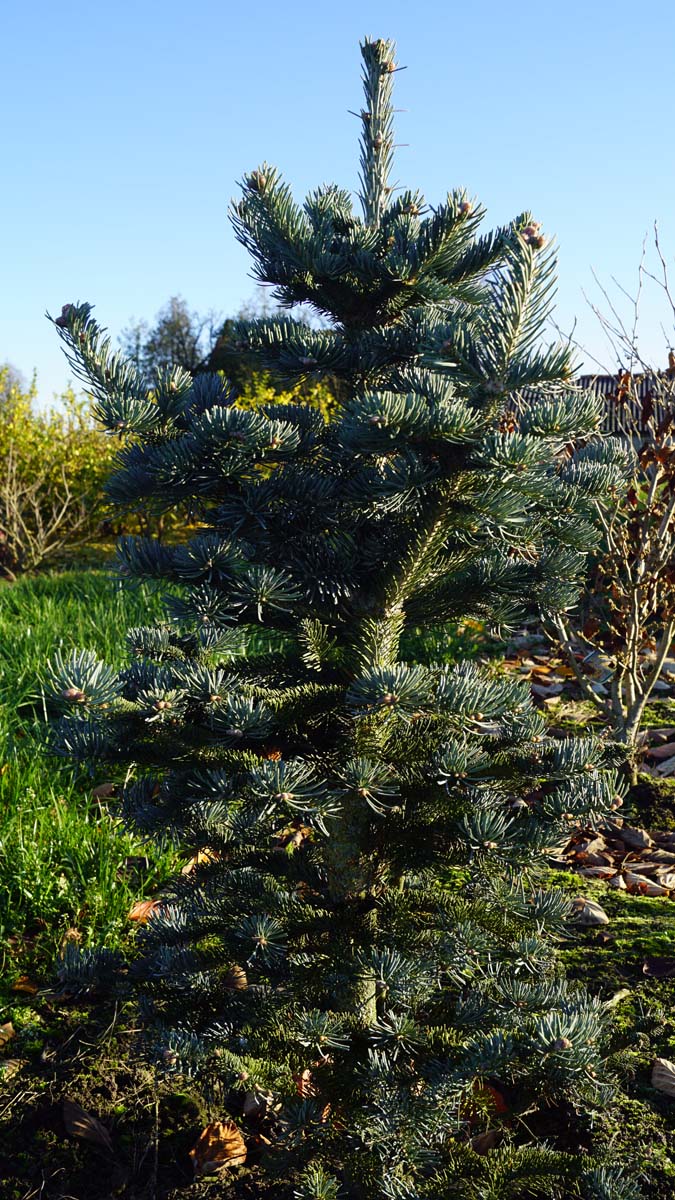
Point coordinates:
pixel 360 961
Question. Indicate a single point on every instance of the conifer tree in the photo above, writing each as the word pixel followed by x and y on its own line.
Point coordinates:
pixel 360 960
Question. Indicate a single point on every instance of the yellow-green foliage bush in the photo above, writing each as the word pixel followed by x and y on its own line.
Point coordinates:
pixel 259 389
pixel 53 464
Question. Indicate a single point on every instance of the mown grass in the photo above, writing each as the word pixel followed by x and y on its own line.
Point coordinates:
pixel 65 863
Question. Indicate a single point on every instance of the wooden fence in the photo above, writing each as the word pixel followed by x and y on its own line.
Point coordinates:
pixel 631 401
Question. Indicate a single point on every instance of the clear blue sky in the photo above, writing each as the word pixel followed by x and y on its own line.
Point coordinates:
pixel 127 126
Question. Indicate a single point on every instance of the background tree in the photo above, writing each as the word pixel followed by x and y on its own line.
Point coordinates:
pixel 184 339
pixel 358 961
pixel 179 337
pixel 13 383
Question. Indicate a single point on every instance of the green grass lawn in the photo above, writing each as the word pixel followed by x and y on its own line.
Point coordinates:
pixel 64 861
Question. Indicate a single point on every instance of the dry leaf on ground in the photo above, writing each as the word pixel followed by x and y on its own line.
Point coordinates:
pixel 104 791
pixel 622 994
pixel 304 1084
pixel 71 935
pixel 494 1098
pixel 637 839
pixel 7 1032
pixel 666 750
pixel 486 1141
pixel 220 1145
pixel 664 768
pixel 663 1076
pixel 236 978
pixel 25 985
pixel 659 967
pixel 200 859
pixel 546 690
pixel 597 872
pixel 142 910
pixel 642 885
pixel 662 856
pixel 81 1124
pixel 588 912
pixel 9 1067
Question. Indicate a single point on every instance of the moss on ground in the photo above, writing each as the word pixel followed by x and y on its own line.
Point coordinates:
pixel 639 1124
pixel 652 802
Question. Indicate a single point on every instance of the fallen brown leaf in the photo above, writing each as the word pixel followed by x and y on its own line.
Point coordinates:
pixel 546 691
pixel 645 868
pixel 7 1032
pixel 236 978
pixel 142 910
pixel 662 734
pixel 588 912
pixel 665 767
pixel 256 1104
pixel 666 839
pixel 81 1124
pixel 304 1084
pixel 593 845
pixel 637 839
pixel 659 968
pixel 104 791
pixel 642 885
pixel 663 1076
pixel 622 994
pixel 596 872
pixel 25 985
pixel 491 1095
pixel 10 1067
pixel 199 860
pixel 662 856
pixel 667 879
pixel 220 1145
pixel 486 1141
pixel 663 751
pixel 70 935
